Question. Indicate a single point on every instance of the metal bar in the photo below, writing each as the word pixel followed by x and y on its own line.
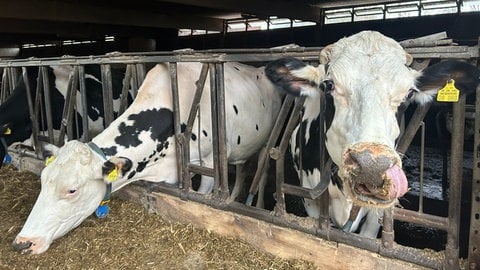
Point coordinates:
pixel 4 90
pixel 201 170
pixel 83 94
pixel 222 133
pixel 387 231
pixel 134 82
pixel 140 67
pixel 125 89
pixel 411 130
pixel 172 67
pixel 107 94
pixel 31 110
pixel 48 103
pixel 474 240
pixel 455 189
pixel 214 113
pixel 421 218
pixel 68 105
pixel 263 159
pixel 200 85
pixel 422 165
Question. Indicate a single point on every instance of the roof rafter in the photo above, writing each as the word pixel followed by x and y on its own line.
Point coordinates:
pixel 79 11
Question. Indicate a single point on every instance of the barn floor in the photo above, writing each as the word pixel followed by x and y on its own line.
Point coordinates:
pixel 129 238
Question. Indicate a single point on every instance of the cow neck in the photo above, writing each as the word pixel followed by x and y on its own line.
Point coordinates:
pixel 102 209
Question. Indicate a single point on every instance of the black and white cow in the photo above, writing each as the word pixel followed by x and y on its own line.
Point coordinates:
pixel 139 145
pixel 15 124
pixel 366 77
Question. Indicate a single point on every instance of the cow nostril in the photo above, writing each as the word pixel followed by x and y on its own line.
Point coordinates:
pixel 22 246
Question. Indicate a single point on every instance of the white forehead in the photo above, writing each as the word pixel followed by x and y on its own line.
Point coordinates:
pixel 71 164
pixel 370 58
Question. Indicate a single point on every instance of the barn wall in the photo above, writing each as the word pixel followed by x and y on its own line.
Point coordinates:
pixel 460 28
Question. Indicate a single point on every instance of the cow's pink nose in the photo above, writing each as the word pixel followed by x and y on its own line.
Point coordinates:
pixel 29 245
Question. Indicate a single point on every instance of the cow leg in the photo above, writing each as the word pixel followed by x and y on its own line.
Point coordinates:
pixel 371 226
pixel 206 185
pixel 239 180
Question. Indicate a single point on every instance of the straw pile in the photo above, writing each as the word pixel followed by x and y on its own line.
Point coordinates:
pixel 129 238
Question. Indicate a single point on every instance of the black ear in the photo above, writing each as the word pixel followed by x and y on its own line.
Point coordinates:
pixel 119 164
pixel 279 72
pixel 466 76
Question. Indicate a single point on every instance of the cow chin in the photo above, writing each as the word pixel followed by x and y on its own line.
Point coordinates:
pixel 373 175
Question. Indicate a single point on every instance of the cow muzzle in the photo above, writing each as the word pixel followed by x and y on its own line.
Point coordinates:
pixel 373 175
pixel 34 245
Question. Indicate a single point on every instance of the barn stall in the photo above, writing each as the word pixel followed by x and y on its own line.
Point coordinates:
pixel 281 232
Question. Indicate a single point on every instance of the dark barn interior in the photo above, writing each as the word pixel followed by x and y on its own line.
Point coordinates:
pixel 60 27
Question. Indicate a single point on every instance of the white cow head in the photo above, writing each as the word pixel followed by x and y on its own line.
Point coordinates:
pixel 368 77
pixel 72 188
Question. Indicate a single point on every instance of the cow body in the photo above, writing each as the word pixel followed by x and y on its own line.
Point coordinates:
pixel 139 145
pixel 365 77
pixel 14 113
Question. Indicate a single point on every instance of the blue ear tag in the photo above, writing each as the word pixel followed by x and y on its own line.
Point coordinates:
pixel 102 211
pixel 7 159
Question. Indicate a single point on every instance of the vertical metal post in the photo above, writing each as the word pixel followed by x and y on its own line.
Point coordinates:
pixel 4 90
pixel 422 165
pixel 176 120
pixel 200 85
pixel 474 240
pixel 31 110
pixel 411 130
pixel 455 189
pixel 387 231
pixel 215 140
pixel 68 107
pixel 83 94
pixel 107 94
pixel 125 90
pixel 134 84
pixel 48 103
pixel 222 134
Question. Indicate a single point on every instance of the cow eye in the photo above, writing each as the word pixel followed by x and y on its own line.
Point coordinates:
pixel 411 93
pixel 327 86
pixel 72 191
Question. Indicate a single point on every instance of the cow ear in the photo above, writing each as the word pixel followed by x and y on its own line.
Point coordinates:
pixel 49 150
pixel 460 75
pixel 115 168
pixel 326 54
pixel 408 59
pixel 294 76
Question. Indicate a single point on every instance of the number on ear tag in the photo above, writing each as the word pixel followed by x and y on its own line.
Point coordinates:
pixel 112 175
pixel 449 93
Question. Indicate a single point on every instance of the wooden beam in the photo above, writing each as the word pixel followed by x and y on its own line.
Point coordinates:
pixel 279 241
pixel 261 8
pixel 86 12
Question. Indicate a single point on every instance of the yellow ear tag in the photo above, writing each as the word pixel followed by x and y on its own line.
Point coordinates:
pixel 7 132
pixel 449 93
pixel 112 175
pixel 49 160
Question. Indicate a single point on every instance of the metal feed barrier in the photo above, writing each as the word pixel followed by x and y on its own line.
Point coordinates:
pixel 213 60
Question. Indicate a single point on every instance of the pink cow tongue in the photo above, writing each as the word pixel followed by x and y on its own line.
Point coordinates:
pixel 399 182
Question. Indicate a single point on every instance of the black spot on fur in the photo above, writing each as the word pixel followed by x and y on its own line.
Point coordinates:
pixel 110 151
pixel 236 68
pixel 238 139
pixel 256 127
pixel 131 174
pixel 258 77
pixel 205 133
pixel 194 137
pixel 235 109
pixel 157 121
pixel 141 166
pixel 107 167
